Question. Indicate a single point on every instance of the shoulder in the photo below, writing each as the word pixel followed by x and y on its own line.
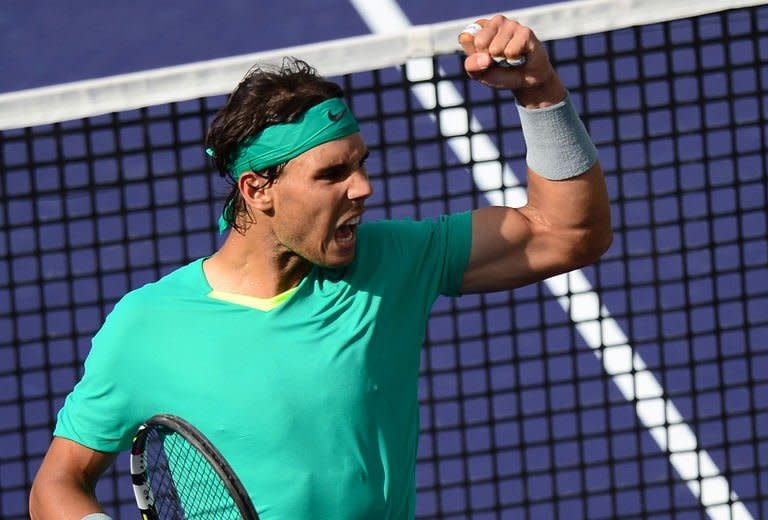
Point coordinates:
pixel 407 233
pixel 383 238
pixel 431 254
pixel 188 278
pixel 145 301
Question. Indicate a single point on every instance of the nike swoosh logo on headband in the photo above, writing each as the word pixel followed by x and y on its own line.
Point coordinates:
pixel 336 117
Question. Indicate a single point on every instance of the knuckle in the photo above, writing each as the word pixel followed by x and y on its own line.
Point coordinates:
pixel 526 33
pixel 512 52
pixel 481 42
pixel 496 48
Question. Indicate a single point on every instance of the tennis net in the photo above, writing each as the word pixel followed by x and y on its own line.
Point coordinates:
pixel 637 387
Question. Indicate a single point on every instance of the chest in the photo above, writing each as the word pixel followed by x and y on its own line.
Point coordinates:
pixel 337 355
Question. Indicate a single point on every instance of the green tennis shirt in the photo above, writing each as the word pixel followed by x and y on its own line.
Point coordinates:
pixel 313 403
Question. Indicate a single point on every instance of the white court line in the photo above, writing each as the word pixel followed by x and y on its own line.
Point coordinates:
pixel 573 291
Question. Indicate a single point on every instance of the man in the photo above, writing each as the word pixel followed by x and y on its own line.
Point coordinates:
pixel 295 347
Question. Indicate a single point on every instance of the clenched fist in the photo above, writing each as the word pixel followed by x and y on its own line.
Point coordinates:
pixel 491 42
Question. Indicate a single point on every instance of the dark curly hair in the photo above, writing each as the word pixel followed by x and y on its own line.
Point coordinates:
pixel 266 96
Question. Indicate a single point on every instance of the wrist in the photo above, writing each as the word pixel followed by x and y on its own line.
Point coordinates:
pixel 557 142
pixel 542 95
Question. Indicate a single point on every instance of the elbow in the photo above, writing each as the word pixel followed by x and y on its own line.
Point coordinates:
pixel 35 495
pixel 589 245
pixel 598 235
pixel 40 496
pixel 600 242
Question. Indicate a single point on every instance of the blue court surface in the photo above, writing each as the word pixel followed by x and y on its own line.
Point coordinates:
pixel 678 388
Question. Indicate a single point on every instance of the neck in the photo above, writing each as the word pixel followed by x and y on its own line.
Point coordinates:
pixel 244 265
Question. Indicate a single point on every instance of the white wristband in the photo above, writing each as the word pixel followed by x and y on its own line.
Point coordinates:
pixel 97 516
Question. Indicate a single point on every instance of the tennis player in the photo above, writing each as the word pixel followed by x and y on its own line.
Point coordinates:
pixel 295 347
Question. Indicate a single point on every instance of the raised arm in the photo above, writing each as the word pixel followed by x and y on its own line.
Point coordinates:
pixel 64 487
pixel 566 221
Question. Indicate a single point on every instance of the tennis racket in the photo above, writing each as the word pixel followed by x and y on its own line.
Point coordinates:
pixel 178 475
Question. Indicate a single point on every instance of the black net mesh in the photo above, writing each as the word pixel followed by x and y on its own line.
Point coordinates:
pixel 526 412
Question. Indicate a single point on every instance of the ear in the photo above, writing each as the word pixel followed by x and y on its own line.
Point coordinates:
pixel 256 192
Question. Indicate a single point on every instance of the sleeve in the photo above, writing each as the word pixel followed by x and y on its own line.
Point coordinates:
pixel 429 256
pixel 100 412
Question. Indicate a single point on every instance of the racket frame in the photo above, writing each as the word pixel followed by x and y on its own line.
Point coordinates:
pixel 142 484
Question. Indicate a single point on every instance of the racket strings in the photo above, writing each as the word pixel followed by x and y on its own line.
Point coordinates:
pixel 184 484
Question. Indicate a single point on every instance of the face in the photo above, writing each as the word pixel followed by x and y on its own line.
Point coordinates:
pixel 317 202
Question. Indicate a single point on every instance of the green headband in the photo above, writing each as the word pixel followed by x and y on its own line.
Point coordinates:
pixel 276 144
pixel 332 119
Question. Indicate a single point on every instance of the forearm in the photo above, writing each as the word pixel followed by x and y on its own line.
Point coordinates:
pixel 566 186
pixel 61 499
pixel 578 206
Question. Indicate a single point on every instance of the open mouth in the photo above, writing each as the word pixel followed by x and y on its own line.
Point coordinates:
pixel 345 233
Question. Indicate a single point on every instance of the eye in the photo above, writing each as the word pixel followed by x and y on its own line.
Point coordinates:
pixel 365 158
pixel 334 174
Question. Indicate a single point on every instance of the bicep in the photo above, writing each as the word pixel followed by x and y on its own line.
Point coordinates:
pixel 68 458
pixel 509 249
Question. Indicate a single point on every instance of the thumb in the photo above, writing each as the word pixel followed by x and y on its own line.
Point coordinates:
pixel 476 64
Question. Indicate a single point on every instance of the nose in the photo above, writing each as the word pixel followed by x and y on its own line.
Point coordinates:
pixel 359 185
